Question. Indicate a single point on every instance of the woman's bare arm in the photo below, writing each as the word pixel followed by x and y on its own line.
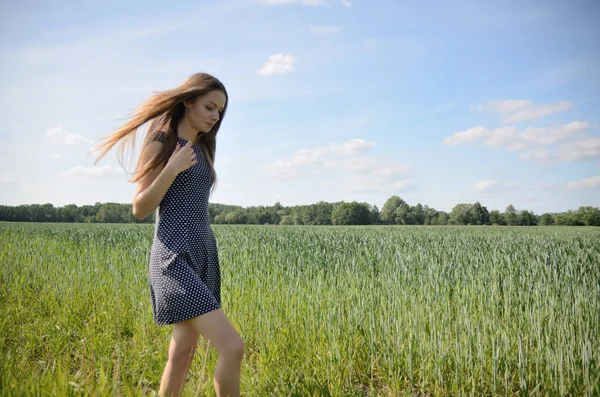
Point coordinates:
pixel 151 189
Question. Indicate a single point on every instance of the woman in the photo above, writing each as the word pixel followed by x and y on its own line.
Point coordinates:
pixel 175 175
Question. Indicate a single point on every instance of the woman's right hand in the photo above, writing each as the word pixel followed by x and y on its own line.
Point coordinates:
pixel 182 158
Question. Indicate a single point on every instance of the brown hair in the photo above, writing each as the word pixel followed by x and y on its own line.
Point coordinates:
pixel 164 110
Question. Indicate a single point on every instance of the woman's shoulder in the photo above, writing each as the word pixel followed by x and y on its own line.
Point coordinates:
pixel 157 136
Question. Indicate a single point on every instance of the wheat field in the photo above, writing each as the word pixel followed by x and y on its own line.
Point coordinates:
pixel 323 311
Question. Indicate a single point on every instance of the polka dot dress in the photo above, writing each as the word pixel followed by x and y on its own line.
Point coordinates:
pixel 184 274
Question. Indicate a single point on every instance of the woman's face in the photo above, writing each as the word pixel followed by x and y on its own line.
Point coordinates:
pixel 206 110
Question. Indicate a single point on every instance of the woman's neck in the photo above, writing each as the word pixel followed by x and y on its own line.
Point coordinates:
pixel 185 131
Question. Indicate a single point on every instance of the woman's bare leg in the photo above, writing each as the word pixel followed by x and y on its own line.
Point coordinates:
pixel 215 327
pixel 181 352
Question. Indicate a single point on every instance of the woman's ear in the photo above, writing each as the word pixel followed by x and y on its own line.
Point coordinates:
pixel 189 102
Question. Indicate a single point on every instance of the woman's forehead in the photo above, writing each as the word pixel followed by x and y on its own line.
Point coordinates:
pixel 216 96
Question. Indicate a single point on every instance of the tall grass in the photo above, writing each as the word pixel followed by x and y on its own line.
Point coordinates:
pixel 340 311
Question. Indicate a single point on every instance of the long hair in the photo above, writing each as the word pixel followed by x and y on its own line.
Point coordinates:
pixel 164 110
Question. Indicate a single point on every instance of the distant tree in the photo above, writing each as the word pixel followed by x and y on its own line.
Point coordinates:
pixel 562 219
pixel 238 217
pixel 219 219
pixel 373 215
pixel 546 220
pixel 510 216
pixel 322 212
pixel 430 216
pixel 403 215
pixel 479 214
pixel 394 211
pixel 496 218
pixel 388 213
pixel 443 218
pixel 461 214
pixel 286 220
pixel 589 216
pixel 526 218
pixel 417 214
pixel 351 214
pixel 110 213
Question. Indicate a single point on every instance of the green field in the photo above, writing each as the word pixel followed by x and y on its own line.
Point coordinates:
pixel 340 311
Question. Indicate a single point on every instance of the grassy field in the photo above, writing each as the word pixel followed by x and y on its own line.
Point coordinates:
pixel 340 311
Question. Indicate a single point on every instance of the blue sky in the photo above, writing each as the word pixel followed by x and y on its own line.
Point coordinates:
pixel 439 102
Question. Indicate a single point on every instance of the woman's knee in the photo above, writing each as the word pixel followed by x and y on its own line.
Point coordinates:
pixel 217 328
pixel 233 348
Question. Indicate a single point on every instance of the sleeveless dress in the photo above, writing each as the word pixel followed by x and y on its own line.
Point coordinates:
pixel 183 273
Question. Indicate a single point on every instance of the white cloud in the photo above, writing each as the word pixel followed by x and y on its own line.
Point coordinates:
pixel 346 3
pixel 358 173
pixel 351 147
pixel 463 137
pixel 325 30
pixel 589 183
pixel 489 186
pixel 277 64
pixel 584 148
pixel 518 111
pixel 105 170
pixel 55 156
pixel 559 143
pixel 486 186
pixel 306 161
pixel 59 135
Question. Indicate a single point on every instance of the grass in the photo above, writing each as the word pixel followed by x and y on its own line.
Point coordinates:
pixel 324 311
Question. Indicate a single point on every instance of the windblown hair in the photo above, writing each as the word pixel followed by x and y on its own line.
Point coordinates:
pixel 164 111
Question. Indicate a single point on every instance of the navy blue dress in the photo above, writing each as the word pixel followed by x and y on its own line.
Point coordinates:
pixel 184 274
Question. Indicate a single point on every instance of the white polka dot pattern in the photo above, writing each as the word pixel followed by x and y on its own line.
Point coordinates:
pixel 184 274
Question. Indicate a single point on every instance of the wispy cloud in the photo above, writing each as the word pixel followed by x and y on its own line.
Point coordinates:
pixel 277 64
pixel 105 170
pixel 487 186
pixel 358 173
pixel 61 136
pixel 464 137
pixel 589 183
pixel 308 161
pixel 518 111
pixel 325 30
pixel 379 176
pixel 491 186
pixel 559 143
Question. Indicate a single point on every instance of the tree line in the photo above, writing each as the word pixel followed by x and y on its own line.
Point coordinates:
pixel 395 211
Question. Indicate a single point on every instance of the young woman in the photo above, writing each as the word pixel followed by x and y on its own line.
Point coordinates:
pixel 175 175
